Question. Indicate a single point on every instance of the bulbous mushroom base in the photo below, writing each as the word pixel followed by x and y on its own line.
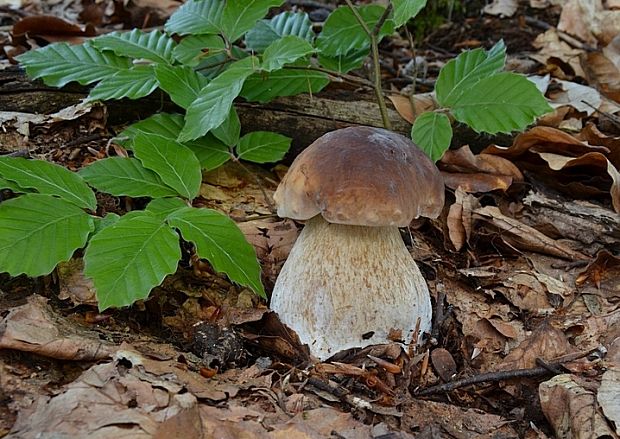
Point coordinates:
pixel 341 283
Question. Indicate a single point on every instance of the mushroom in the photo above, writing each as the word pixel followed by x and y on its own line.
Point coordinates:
pixel 349 278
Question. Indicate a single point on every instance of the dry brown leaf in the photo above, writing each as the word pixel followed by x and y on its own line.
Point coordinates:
pixel 571 408
pixel 51 29
pixel 474 313
pixel 602 73
pixel 185 424
pixel 558 162
pixel 74 285
pixel 609 396
pixel 584 169
pixel 580 97
pixel 423 102
pixel 454 222
pixel 320 423
pixel 34 327
pixel 550 45
pixel 438 420
pixel 477 173
pixel 459 220
pixel 525 237
pixel 476 183
pixel 504 328
pixel 612 51
pixel 544 139
pixel 604 265
pixel 546 343
pixel 108 400
pixel 593 136
pixel 444 364
pixel 503 8
pixel 463 160
pixel 273 241
pixel 590 20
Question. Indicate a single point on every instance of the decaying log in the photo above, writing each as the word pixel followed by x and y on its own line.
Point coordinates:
pixel 302 117
pixel 579 220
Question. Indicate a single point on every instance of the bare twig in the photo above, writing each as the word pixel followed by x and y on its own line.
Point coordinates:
pixel 490 377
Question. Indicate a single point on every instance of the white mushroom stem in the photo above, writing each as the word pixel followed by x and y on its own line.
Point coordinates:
pixel 342 282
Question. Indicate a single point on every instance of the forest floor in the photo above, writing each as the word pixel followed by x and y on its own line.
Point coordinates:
pixel 523 266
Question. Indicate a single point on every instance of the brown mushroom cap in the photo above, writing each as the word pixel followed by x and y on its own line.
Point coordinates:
pixel 361 176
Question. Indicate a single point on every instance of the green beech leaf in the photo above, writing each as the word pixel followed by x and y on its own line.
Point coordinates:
pixel 125 176
pixel 405 10
pixel 134 83
pixel 11 185
pixel 163 124
pixel 286 23
pixel 500 104
pixel 165 206
pixel 263 87
pixel 285 51
pixel 194 48
pixel 212 107
pixel 48 178
pixel 110 219
pixel 342 34
pixel 230 130
pixel 241 15
pixel 263 146
pixel 127 259
pixel 210 151
pixel 465 70
pixel 182 83
pixel 60 63
pixel 154 45
pixel 432 132
pixel 344 63
pixel 174 163
pixel 38 231
pixel 219 240
pixel 196 17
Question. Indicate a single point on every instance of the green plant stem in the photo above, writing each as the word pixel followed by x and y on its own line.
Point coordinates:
pixel 374 45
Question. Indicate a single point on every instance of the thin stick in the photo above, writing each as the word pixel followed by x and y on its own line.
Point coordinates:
pixel 374 45
pixel 504 375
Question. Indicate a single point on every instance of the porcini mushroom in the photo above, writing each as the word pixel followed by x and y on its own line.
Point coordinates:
pixel 349 278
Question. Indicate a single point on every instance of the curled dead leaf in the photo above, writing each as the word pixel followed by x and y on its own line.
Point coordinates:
pixel 477 173
pixel 444 364
pixel 459 220
pixel 593 159
pixel 571 409
pixel 34 327
pixel 51 29
pixel 423 102
pixel 608 398
pixel 602 73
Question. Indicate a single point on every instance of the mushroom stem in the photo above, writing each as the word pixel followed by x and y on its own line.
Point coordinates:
pixel 341 283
